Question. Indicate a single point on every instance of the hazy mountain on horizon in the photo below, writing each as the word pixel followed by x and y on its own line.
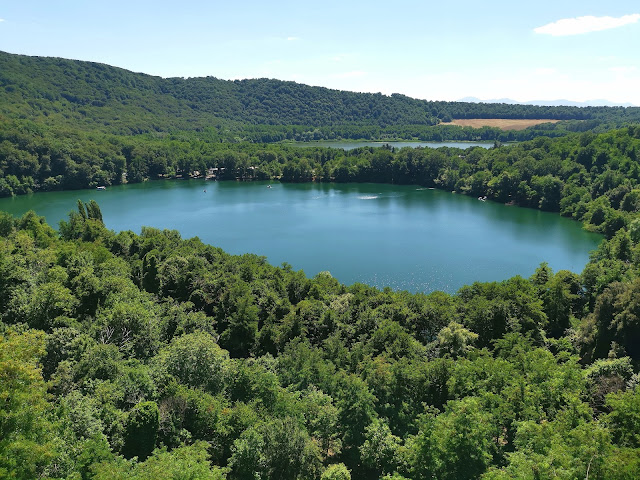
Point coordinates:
pixel 550 103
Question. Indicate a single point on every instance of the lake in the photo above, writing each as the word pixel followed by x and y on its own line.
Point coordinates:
pixel 405 237
pixel 350 145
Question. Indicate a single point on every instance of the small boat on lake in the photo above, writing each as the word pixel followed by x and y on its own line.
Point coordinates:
pixel 101 187
pixel 483 199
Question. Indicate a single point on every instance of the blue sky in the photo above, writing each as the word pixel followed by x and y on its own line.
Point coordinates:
pixel 444 50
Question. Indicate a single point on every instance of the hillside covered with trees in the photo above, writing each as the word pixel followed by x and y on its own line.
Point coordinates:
pixel 97 97
pixel 149 356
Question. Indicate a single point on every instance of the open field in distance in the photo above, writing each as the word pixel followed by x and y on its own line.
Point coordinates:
pixel 502 123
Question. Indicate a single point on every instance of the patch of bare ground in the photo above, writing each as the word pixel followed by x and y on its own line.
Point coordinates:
pixel 501 123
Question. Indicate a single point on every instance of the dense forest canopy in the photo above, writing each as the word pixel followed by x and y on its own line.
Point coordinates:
pixel 149 356
pixel 98 97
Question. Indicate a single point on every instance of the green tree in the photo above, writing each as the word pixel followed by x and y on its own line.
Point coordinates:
pixel 457 444
pixel 276 449
pixel 240 336
pixel 336 471
pixel 183 463
pixel 196 360
pixel 27 433
pixel 562 299
pixel 624 418
pixel 141 430
pixel 380 448
pixel 455 340
pixel 323 421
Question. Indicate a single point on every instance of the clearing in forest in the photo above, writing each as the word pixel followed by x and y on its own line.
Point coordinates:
pixel 501 123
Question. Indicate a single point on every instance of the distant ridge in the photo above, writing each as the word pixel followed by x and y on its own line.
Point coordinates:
pixel 81 95
pixel 550 103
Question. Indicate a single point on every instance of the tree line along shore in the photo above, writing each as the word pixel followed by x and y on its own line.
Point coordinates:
pixel 592 178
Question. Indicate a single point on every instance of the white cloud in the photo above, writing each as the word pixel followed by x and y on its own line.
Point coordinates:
pixel 1 19
pixel 623 69
pixel 587 24
pixel 292 39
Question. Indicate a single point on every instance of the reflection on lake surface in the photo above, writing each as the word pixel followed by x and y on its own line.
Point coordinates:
pixel 404 237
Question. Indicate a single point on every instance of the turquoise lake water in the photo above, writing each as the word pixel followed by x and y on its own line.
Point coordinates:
pixel 405 237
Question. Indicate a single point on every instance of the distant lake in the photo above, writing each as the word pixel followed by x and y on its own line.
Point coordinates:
pixel 405 237
pixel 348 145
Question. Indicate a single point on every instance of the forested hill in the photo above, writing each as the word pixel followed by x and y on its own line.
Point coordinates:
pixel 58 92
